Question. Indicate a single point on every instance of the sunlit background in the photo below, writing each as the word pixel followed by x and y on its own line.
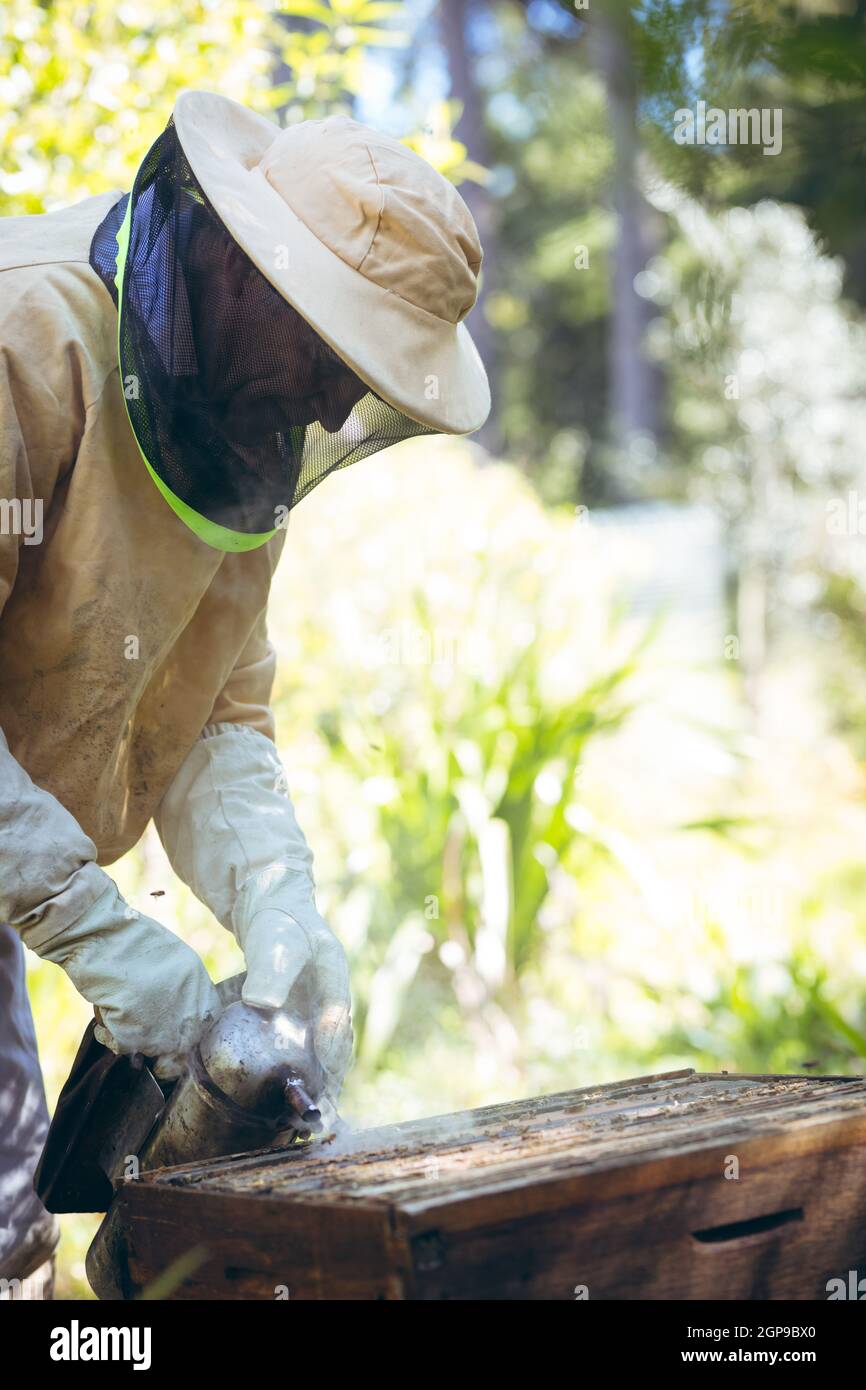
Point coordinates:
pixel 574 715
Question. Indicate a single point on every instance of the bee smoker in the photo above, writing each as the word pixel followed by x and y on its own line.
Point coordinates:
pixel 252 1077
pixel 252 1081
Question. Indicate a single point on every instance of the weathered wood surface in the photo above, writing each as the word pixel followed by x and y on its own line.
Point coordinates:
pixel 619 1188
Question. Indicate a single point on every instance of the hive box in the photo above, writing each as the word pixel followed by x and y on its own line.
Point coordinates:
pixel 664 1187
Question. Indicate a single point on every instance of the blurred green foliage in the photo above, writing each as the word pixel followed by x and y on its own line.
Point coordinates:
pixel 85 88
pixel 456 696
pixel 792 1026
pixel 474 819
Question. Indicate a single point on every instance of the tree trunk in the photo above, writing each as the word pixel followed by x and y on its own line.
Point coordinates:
pixel 455 16
pixel 636 383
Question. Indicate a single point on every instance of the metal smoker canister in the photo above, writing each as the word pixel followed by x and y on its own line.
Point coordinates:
pixel 253 1077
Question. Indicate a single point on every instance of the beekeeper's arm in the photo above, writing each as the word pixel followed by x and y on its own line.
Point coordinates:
pixel 152 990
pixel 229 829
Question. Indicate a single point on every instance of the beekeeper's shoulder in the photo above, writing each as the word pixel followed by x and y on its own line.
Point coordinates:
pixel 51 300
pixel 43 238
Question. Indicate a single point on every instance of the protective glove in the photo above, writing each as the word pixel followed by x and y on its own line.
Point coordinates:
pixel 151 991
pixel 292 954
pixel 229 830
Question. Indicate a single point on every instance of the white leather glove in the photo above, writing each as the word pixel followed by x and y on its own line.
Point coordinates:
pixel 229 830
pixel 152 990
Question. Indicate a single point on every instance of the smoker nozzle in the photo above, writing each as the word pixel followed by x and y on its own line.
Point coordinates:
pixel 303 1104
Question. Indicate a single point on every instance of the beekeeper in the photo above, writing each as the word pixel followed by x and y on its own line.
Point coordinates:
pixel 179 366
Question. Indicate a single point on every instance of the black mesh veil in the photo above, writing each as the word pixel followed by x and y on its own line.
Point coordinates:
pixel 238 405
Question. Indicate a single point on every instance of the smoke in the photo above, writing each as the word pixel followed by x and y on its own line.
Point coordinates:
pixel 345 1136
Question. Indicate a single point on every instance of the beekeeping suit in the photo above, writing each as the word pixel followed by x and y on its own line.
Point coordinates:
pixel 180 365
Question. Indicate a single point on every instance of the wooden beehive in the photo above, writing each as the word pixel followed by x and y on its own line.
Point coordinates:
pixel 672 1186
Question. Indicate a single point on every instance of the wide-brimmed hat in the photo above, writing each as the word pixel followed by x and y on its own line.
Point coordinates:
pixel 362 236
